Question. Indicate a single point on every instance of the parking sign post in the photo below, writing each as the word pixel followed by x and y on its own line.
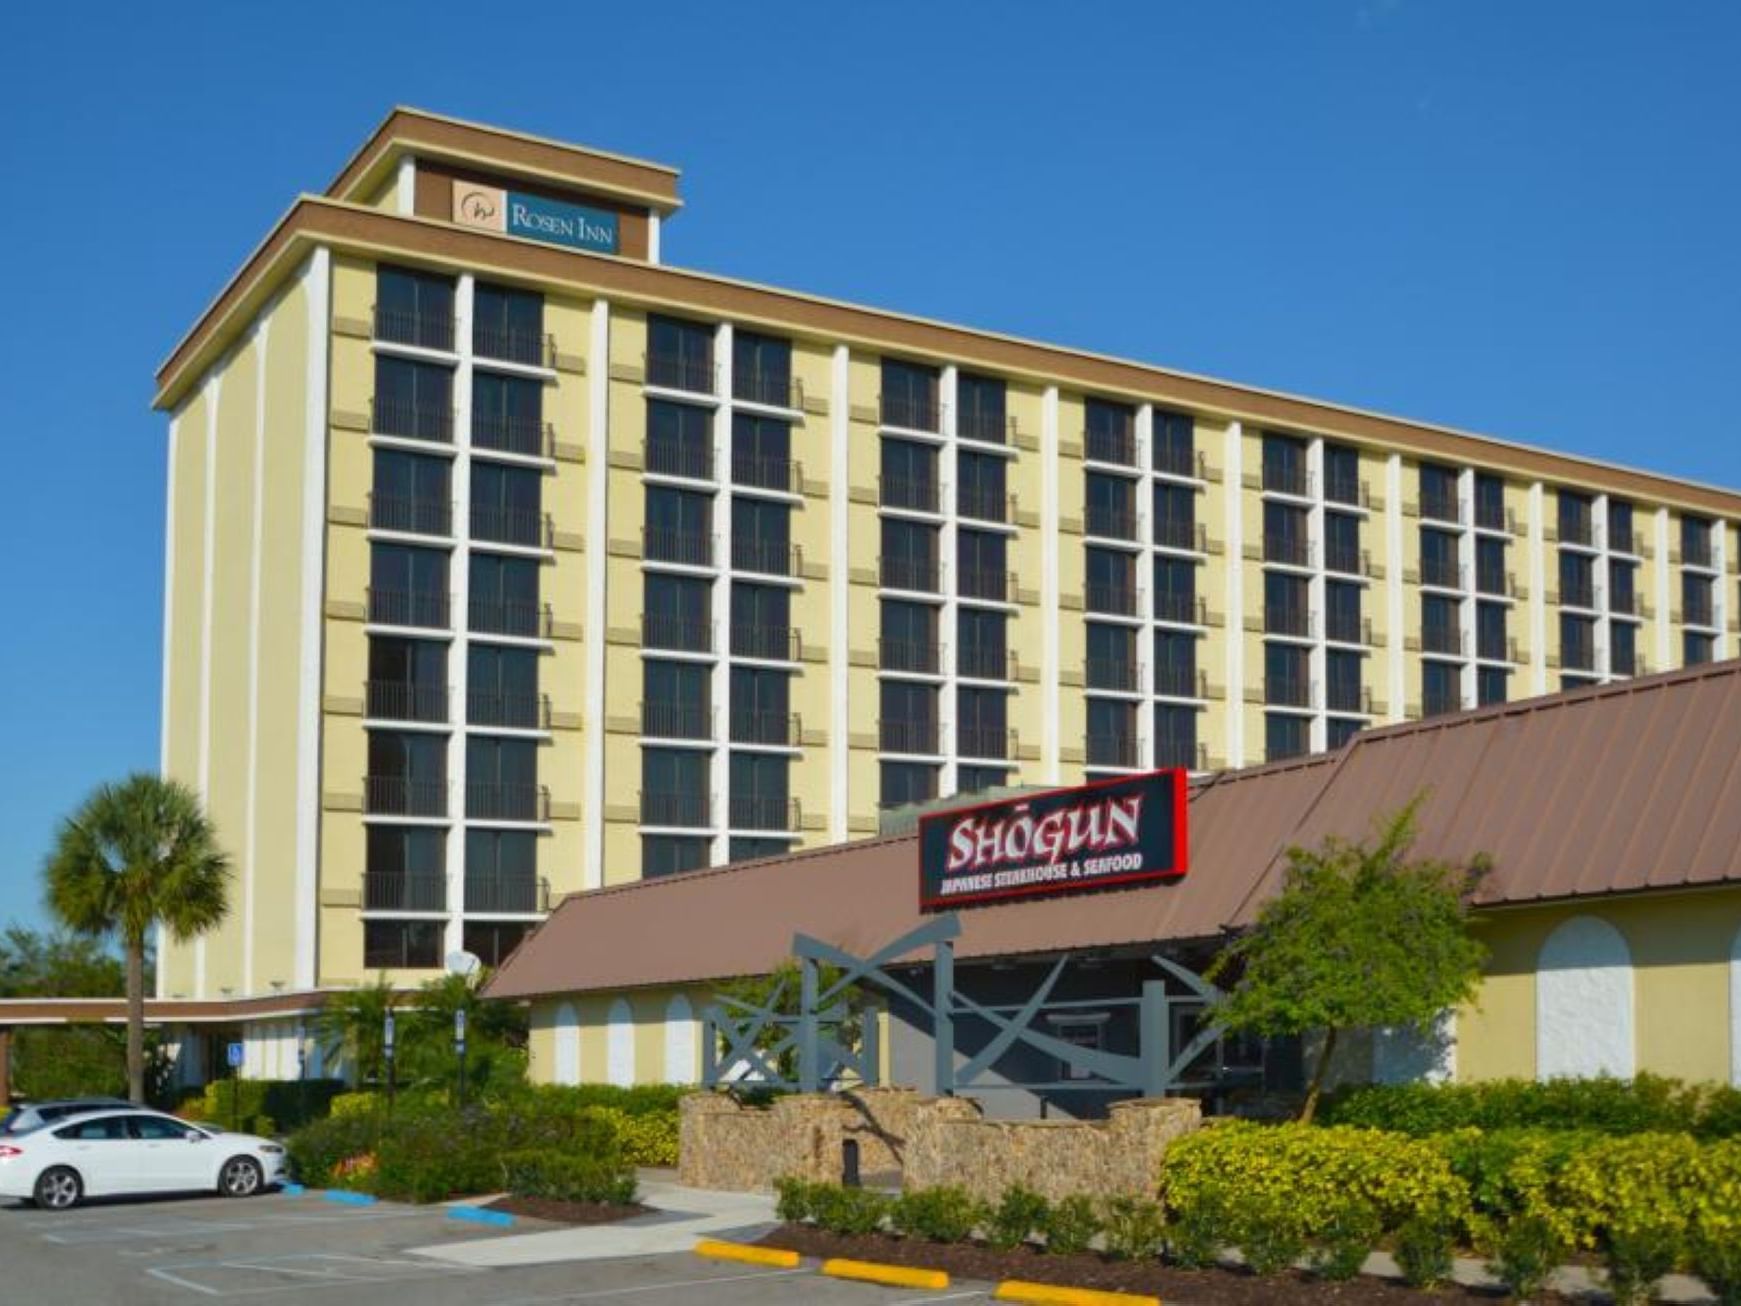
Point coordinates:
pixel 387 1053
pixel 459 1049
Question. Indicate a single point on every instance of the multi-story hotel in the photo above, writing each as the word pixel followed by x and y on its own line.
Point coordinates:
pixel 504 560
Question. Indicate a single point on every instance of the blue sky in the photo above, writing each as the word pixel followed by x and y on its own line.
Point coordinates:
pixel 1514 218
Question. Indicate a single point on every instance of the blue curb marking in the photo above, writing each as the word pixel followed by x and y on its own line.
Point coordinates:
pixel 478 1215
pixel 292 1190
pixel 349 1198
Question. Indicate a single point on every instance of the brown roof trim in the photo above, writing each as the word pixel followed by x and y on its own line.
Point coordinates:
pixel 365 230
pixel 421 132
pixel 72 1011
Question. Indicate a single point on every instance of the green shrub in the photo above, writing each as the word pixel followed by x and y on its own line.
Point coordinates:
pixel 848 1211
pixel 1641 1248
pixel 647 1139
pixel 568 1178
pixel 317 1150
pixel 262 1106
pixel 795 1199
pixel 1017 1216
pixel 1645 1104
pixel 1714 1253
pixel 1268 1229
pixel 941 1215
pixel 1529 1248
pixel 1134 1228
pixel 1198 1231
pixel 1346 1237
pixel 1071 1225
pixel 1424 1249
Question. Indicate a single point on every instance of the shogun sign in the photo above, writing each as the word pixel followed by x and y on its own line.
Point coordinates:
pixel 1066 841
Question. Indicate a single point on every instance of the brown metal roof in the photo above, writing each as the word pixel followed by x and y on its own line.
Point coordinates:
pixel 1617 789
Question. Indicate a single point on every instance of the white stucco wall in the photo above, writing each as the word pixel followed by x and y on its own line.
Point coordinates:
pixel 1584 1002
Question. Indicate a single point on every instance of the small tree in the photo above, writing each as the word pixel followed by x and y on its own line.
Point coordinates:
pixel 1358 937
pixel 495 1035
pixel 138 855
pixel 784 989
pixel 352 1027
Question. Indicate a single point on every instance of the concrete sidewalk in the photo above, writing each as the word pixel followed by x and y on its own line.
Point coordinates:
pixel 680 1215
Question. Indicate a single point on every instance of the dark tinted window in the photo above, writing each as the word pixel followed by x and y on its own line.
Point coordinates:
pixel 411 945
pixel 105 1129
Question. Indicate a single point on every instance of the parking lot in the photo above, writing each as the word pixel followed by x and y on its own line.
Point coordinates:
pixel 286 1249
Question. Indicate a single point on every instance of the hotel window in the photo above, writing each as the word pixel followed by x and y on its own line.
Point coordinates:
pixel 1576 512
pixel 1623 586
pixel 1342 543
pixel 1284 465
pixel 501 871
pixel 761 453
pixel 909 560
pixel 1621 538
pixel 1338 730
pixel 982 560
pixel 1175 440
pixel 502 687
pixel 676 699
pixel 677 613
pixel 1287 680
pixel 1577 642
pixel 1623 648
pixel 1490 502
pixel 674 787
pixel 761 622
pixel 407 679
pixel 909 396
pixel 509 324
pixel 1112 733
pixel 1176 664
pixel 1439 492
pixel 504 597
pixel 1109 432
pixel 982 645
pixel 1577 580
pixel 413 400
pixel 508 414
pixel 1441 688
pixel 1698 599
pixel 1286 610
pixel 909 717
pixel 981 722
pixel 501 780
pixel 401 945
pixel 909 638
pixel 1110 504
pixel 492 942
pixel 753 848
pixel 1285 735
pixel 672 854
pixel 413 308
pixel 405 868
pixel 978 779
pixel 761 707
pixel 907 782
pixel 1111 657
pixel 1175 525
pixel 1490 565
pixel 407 586
pixel 1696 648
pixel 508 505
pixel 979 401
pixel 1491 640
pixel 407 774
pixel 760 795
pixel 679 526
pixel 761 537
pixel 1110 584
pixel 1175 581
pixel 679 440
pixel 1343 621
pixel 1439 564
pixel 909 475
pixel 1441 631
pixel 761 370
pixel 1344 691
pixel 980 487
pixel 1696 534
pixel 1342 474
pixel 680 355
pixel 411 493
pixel 1491 685
pixel 1176 737
pixel 1284 534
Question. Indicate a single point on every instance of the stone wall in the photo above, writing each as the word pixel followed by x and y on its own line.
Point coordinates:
pixel 927 1141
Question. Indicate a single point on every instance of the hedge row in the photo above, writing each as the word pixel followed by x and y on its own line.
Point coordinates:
pixel 262 1106
pixel 1646 1104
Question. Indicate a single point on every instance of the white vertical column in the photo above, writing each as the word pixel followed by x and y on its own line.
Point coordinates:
pixel 598 370
pixel 459 585
pixel 720 706
pixel 208 555
pixel 1233 620
pixel 1466 584
pixel 1538 589
pixel 1317 547
pixel 256 567
pixel 949 558
pixel 405 191
pixel 1395 661
pixel 1049 586
pixel 1145 586
pixel 168 642
pixel 1663 621
pixel 652 238
pixel 839 589
pixel 1721 589
pixel 1599 573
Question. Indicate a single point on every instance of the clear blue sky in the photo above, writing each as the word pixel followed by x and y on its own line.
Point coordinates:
pixel 1519 219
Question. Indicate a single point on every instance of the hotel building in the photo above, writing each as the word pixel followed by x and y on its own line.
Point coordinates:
pixel 504 560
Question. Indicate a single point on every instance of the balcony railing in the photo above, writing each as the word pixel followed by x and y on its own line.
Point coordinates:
pixel 1110 446
pixel 1110 522
pixel 1579 595
pixel 1348 629
pixel 1121 675
pixel 1181 682
pixel 506 895
pixel 770 643
pixel 688 811
pixel 776 389
pixel 409 421
pixel 1496 648
pixel 523 526
pixel 992 742
pixel 1181 609
pixel 1445 639
pixel 399 700
pixel 511 709
pixel 763 812
pixel 673 456
pixel 1696 549
pixel 530 437
pixel 667 720
pixel 495 800
pixel 411 514
pixel 1282 478
pixel 987 428
pixel 1445 573
pixel 1287 619
pixel 1290 550
pixel 1349 698
pixel 1112 750
pixel 422 609
pixel 1578 657
pixel 921 575
pixel 765 557
pixel 1625 541
pixel 919 657
pixel 765 472
pixel 1699 611
pixel 1623 602
pixel 1288 691
pixel 682 372
pixel 1494 580
pixel 776 729
pixel 404 891
pixel 1350 491
pixel 1346 559
pixel 1179 533
pixel 1181 462
pixel 1111 599
pixel 913 412
pixel 676 634
pixel 983 504
pixel 397 795
pixel 991 584
pixel 520 618
pixel 1186 753
pixel 1441 507
pixel 690 548
pixel 419 327
pixel 1577 530
pixel 898 736
pixel 978 662
pixel 912 493
pixel 534 348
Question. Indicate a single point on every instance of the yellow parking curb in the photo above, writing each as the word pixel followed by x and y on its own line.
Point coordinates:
pixel 724 1251
pixel 890 1276
pixel 1048 1294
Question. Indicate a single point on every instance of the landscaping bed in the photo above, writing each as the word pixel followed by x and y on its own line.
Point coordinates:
pixel 558 1211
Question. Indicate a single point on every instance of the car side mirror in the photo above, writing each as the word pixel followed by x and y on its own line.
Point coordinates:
pixel 194 1136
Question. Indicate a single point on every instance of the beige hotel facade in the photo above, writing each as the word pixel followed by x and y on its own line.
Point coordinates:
pixel 505 561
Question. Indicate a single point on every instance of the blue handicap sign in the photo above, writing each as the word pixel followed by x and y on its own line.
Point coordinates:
pixel 233 1054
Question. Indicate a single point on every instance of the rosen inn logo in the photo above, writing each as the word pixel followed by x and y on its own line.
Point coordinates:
pixel 480 207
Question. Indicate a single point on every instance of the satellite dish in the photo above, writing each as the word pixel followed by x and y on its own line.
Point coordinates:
pixel 463 963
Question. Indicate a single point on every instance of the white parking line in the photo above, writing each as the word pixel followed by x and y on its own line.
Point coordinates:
pixel 326 1269
pixel 600 1293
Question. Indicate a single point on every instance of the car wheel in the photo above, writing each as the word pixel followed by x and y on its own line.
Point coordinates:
pixel 59 1189
pixel 240 1177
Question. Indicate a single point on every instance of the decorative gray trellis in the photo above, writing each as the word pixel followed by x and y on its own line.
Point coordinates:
pixel 825 1060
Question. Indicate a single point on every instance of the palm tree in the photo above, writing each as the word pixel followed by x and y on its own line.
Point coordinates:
pixel 138 855
pixel 352 1027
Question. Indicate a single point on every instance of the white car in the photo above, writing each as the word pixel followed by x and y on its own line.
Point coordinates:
pixel 115 1153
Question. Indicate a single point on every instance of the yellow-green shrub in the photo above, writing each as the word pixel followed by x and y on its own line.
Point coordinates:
pixel 645 1139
